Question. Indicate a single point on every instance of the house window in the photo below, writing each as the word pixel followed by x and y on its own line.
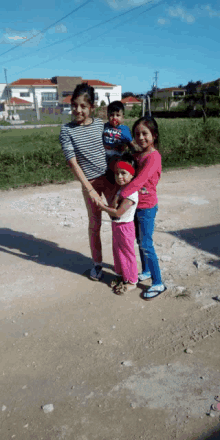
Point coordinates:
pixel 24 94
pixel 49 96
pixel 178 93
pixel 66 93
pixel 96 96
pixel 49 104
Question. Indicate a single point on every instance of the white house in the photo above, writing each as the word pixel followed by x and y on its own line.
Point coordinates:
pixel 52 92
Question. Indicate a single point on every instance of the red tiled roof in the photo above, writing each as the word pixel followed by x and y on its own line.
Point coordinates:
pixel 32 82
pixel 67 100
pixel 170 89
pixel 130 99
pixel 19 101
pixel 96 82
pixel 48 82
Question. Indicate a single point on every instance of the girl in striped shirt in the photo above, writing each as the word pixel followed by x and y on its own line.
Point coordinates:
pixel 82 145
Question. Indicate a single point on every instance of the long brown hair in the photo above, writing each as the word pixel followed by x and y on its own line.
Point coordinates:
pixel 151 124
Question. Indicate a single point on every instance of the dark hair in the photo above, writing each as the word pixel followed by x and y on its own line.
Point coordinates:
pixel 151 124
pixel 84 89
pixel 127 157
pixel 115 106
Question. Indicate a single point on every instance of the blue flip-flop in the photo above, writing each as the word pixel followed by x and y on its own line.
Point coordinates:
pixel 153 292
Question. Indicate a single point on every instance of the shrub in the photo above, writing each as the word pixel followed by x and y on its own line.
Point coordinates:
pixel 136 111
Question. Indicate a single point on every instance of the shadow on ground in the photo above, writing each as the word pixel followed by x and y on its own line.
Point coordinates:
pixel 44 252
pixel 213 434
pixel 206 239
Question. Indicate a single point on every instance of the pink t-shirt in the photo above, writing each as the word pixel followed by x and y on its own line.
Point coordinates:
pixel 148 175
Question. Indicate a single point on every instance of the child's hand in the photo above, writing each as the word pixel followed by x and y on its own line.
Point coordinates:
pixel 101 205
pixel 95 197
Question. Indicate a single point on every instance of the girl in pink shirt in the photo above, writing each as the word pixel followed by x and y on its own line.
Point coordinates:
pixel 146 135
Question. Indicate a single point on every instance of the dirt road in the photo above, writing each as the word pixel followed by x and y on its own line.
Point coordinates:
pixel 114 368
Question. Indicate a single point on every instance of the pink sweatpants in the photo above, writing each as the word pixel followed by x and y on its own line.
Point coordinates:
pixel 123 251
pixel 102 186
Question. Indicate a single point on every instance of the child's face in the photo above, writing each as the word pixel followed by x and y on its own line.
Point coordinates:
pixel 81 110
pixel 116 118
pixel 122 177
pixel 143 137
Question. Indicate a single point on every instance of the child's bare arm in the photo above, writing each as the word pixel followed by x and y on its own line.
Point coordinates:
pixel 117 212
pixel 114 204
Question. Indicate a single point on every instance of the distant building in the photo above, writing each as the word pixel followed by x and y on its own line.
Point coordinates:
pixel 129 101
pixel 212 87
pixel 169 92
pixel 18 104
pixel 167 97
pixel 58 90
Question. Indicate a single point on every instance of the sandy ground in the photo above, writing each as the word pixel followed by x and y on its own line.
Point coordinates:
pixel 114 368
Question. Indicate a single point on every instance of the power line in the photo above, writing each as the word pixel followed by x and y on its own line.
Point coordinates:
pixel 98 36
pixel 86 30
pixel 46 29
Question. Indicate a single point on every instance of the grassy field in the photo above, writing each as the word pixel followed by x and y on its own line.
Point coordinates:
pixel 34 156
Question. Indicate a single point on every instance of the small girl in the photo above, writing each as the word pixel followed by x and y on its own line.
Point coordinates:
pixel 146 135
pixel 123 229
pixel 83 148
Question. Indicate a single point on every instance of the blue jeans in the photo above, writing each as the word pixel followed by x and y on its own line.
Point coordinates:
pixel 144 223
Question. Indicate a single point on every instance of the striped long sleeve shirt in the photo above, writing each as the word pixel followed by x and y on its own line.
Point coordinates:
pixel 85 143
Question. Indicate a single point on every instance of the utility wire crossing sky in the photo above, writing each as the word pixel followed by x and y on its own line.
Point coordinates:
pixel 120 42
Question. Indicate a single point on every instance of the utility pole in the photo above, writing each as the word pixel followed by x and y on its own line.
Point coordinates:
pixel 36 104
pixel 143 106
pixel 155 82
pixel 5 70
pixel 7 99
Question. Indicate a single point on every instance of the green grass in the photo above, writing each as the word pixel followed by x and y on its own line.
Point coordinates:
pixel 29 139
pixel 31 157
pixel 34 156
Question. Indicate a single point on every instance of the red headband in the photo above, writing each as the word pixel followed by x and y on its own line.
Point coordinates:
pixel 125 166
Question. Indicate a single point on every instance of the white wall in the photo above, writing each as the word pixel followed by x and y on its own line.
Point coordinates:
pixel 115 94
pixel 39 90
pixel 15 93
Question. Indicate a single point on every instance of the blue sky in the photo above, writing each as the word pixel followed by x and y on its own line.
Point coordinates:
pixel 129 42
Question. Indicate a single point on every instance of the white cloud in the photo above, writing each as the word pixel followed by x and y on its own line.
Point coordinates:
pixel 127 4
pixel 162 21
pixel 60 28
pixel 15 37
pixel 212 12
pixel 179 12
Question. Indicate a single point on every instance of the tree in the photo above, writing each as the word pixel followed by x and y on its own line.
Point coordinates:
pixel 191 87
pixel 126 94
pixel 152 91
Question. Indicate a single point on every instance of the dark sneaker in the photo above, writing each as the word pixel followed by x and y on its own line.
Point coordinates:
pixel 96 273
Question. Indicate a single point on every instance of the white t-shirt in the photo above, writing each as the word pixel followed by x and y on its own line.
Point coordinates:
pixel 128 216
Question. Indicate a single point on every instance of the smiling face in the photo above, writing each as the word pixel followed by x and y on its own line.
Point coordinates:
pixel 144 137
pixel 81 110
pixel 116 118
pixel 122 177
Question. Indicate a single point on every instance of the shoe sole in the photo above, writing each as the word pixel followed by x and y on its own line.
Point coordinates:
pixel 95 279
pixel 155 296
